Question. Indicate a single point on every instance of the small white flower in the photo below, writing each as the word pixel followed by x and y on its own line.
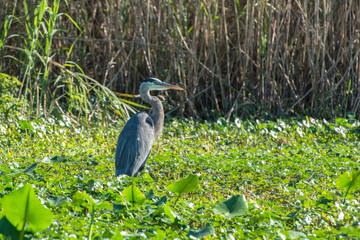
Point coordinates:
pixel 341 216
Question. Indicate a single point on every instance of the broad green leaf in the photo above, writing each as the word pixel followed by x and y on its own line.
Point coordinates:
pixel 160 234
pixel 57 201
pixel 103 205
pixel 8 230
pixel 185 185
pixel 25 125
pixel 350 181
pixel 169 213
pixel 80 197
pixel 146 177
pixel 206 231
pixel 133 194
pixel 22 206
pixel 296 235
pixel 234 206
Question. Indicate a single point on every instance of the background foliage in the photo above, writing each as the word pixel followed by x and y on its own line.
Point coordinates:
pixel 242 57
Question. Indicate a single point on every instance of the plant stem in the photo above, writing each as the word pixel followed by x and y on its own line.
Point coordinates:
pixel 177 199
pixel 26 216
pixel 92 222
pixel 132 193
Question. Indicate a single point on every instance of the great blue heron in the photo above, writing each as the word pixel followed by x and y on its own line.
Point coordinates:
pixel 136 138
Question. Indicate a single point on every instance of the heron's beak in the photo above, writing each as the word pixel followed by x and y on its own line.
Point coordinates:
pixel 169 86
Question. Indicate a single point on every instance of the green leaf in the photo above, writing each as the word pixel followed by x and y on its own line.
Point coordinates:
pixel 133 194
pixel 207 230
pixel 58 159
pixel 80 197
pixel 296 235
pixel 234 206
pixel 350 181
pixel 185 185
pixel 8 230
pixel 25 125
pixel 162 201
pixel 57 201
pixel 103 205
pixel 31 168
pixel 22 206
pixel 118 207
pixel 169 213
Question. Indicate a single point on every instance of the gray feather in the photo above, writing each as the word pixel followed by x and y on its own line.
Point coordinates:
pixel 134 145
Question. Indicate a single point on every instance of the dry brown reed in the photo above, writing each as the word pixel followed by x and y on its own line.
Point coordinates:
pixel 233 57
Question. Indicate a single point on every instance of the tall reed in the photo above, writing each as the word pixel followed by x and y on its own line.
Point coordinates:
pixel 52 85
pixel 234 57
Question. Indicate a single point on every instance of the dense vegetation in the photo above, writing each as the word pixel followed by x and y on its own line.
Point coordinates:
pixel 245 174
pixel 286 179
pixel 236 57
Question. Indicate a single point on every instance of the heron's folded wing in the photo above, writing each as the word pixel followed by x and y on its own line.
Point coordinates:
pixel 134 144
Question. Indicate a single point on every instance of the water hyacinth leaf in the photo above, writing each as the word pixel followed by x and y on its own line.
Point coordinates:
pixel 103 205
pixel 158 212
pixel 57 201
pixel 146 177
pixel 23 207
pixel 25 125
pixel 170 213
pixel 31 168
pixel 234 206
pixel 80 197
pixel 206 231
pixel 160 234
pixel 58 159
pixel 118 207
pixel 150 194
pixel 296 235
pixel 8 230
pixel 133 194
pixel 46 160
pixel 185 185
pixel 349 181
pixel 161 201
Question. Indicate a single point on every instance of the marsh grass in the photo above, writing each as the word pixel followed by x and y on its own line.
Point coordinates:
pixel 234 57
pixel 53 87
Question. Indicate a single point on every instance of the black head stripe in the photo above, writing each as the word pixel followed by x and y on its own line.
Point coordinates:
pixel 151 80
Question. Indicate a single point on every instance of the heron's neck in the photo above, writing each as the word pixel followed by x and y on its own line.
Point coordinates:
pixel 157 109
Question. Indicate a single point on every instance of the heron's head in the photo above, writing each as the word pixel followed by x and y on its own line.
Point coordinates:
pixel 156 84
